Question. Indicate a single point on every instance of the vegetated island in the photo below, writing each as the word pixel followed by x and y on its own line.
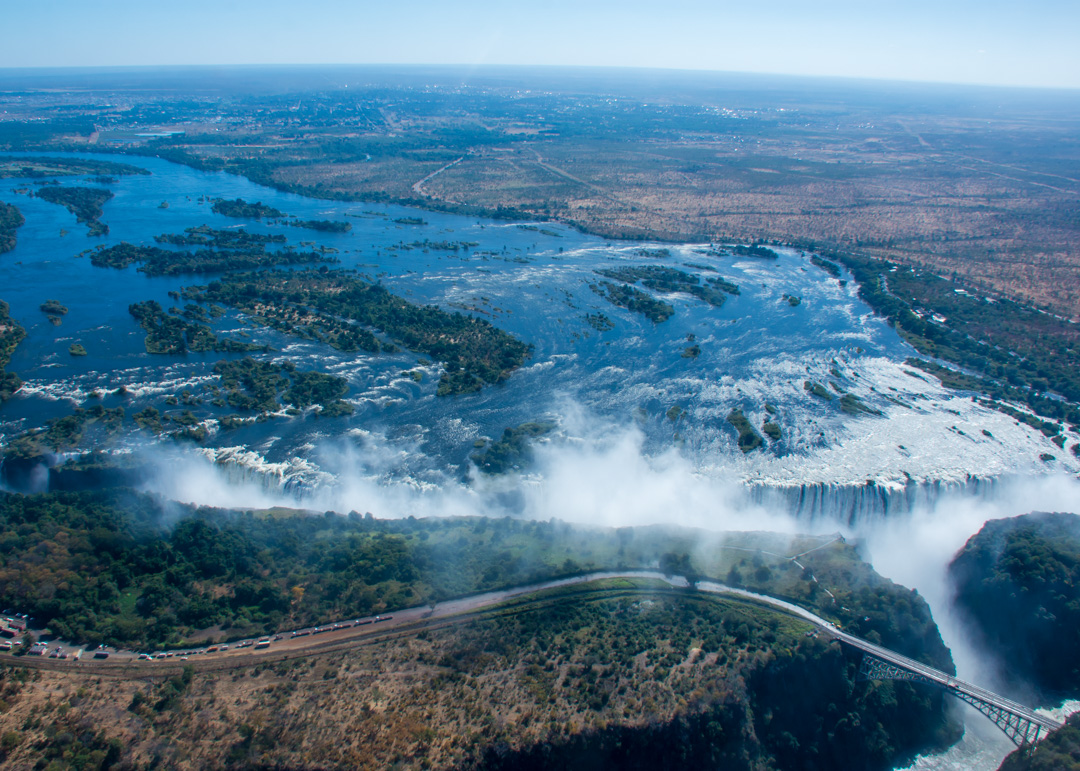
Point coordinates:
pixel 325 226
pixel 12 167
pixel 55 310
pixel 634 300
pixel 756 249
pixel 1017 585
pixel 59 435
pixel 599 322
pixel 242 209
pixel 323 306
pixel 221 238
pixel 252 385
pixel 606 670
pixel 818 390
pixel 84 202
pixel 749 439
pixel 156 261
pixel 513 450
pixel 11 219
pixel 663 279
pixel 167 333
pixel 11 334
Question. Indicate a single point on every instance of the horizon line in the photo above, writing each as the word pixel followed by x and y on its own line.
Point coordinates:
pixel 10 71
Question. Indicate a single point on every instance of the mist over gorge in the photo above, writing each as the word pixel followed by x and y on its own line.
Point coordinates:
pixel 348 368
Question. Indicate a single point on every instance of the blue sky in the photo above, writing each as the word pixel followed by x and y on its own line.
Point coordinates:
pixel 1033 43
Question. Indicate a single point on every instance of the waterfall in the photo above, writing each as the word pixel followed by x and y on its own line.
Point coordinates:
pixel 854 505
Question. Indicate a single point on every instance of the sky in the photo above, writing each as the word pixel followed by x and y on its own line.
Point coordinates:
pixel 1030 43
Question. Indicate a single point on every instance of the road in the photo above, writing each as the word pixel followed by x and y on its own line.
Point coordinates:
pixel 412 620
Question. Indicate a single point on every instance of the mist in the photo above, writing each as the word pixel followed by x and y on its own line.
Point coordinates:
pixel 599 473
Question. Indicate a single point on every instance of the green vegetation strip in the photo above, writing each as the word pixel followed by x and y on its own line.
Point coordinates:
pixel 817 390
pixel 241 208
pixel 138 571
pixel 663 279
pixel 323 305
pixel 11 219
pixel 634 300
pixel 11 334
pixel 42 167
pixel 513 450
pixel 1020 353
pixel 254 385
pixel 166 333
pixel 168 262
pixel 749 439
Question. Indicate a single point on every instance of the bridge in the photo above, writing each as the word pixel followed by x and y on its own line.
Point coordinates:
pixel 1021 724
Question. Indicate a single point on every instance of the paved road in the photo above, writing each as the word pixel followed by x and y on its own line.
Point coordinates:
pixel 410 620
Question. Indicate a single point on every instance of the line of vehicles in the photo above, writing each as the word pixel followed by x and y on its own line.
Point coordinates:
pixel 102 652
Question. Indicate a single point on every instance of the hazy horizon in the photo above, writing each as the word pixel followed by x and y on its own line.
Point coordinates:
pixel 962 42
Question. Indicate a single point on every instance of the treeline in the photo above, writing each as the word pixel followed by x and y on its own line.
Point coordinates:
pixel 121 567
pixel 11 219
pixel 166 333
pixel 663 279
pixel 325 226
pixel 11 334
pixel 1017 585
pixel 473 351
pixel 241 208
pixel 797 706
pixel 156 261
pixel 1023 354
pixel 84 202
pixel 634 300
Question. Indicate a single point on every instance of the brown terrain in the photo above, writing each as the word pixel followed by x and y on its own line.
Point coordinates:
pixel 1000 228
pixel 977 183
pixel 434 696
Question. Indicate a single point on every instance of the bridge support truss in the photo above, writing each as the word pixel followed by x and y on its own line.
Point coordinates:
pixel 1021 730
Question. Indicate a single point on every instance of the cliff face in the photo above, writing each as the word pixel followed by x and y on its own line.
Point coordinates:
pixel 801 710
pixel 1016 584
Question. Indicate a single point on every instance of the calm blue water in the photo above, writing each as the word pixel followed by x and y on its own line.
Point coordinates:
pixel 755 349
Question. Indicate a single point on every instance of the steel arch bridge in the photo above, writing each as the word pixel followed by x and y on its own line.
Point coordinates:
pixel 1021 724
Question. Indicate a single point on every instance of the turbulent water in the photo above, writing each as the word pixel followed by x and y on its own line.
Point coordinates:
pixel 620 454
pixel 533 281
